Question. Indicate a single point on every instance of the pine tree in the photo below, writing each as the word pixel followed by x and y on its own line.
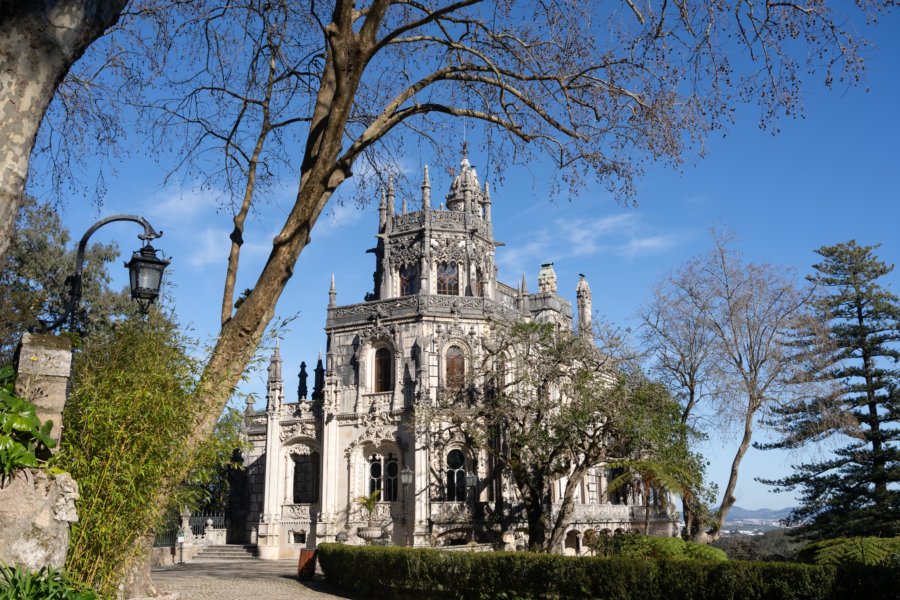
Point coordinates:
pixel 853 361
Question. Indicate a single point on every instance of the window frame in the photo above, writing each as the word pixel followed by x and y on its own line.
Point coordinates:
pixel 382 370
pixel 444 277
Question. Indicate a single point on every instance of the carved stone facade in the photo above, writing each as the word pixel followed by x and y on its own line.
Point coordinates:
pixel 435 294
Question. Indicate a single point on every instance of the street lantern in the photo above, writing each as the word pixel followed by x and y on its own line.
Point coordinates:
pixel 406 476
pixel 145 271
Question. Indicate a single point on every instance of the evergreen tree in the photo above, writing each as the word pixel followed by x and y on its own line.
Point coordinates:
pixel 854 359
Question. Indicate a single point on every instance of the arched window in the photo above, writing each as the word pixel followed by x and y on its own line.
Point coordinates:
pixel 455 367
pixel 384 475
pixel 384 382
pixel 374 474
pixel 456 476
pixel 409 280
pixel 391 473
pixel 447 279
pixel 306 478
pixel 479 283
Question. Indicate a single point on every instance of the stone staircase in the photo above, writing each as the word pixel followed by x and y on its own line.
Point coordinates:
pixel 226 552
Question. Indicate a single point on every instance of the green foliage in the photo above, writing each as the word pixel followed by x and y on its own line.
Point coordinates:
pixel 853 550
pixel 131 408
pixel 775 545
pixel 24 440
pixel 369 503
pixel 421 573
pixel 635 545
pixel 33 278
pixel 46 584
pixel 851 347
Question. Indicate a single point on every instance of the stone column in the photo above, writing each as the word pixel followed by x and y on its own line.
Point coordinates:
pixel 45 363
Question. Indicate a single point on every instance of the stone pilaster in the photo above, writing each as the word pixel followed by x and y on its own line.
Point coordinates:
pixel 45 364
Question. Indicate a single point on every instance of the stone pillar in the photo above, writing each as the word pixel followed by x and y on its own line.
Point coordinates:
pixel 45 363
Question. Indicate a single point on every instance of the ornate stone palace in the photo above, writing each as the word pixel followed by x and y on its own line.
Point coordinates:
pixel 435 293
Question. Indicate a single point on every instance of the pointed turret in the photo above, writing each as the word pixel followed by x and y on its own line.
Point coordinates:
pixel 524 288
pixel 465 190
pixel 332 294
pixel 486 204
pixel 274 385
pixel 585 309
pixel 303 376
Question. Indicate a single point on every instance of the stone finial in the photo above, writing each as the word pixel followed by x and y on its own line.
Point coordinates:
pixel 319 385
pixel 403 205
pixel 547 279
pixel 583 296
pixel 303 376
pixel 426 190
pixel 382 211
pixel 524 287
pixel 249 402
pixel 487 202
pixel 390 195
pixel 332 294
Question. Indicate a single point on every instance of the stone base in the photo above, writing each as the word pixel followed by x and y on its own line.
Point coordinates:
pixel 35 513
pixel 269 552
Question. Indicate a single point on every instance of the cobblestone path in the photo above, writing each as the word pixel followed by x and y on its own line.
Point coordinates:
pixel 242 580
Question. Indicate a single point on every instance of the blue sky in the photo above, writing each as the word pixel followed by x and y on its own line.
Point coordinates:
pixel 825 178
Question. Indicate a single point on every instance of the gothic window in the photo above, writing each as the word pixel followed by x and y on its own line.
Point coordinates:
pixel 375 471
pixel 391 473
pixel 409 280
pixel 384 382
pixel 447 279
pixel 384 475
pixel 306 478
pixel 455 367
pixel 456 476
pixel 479 283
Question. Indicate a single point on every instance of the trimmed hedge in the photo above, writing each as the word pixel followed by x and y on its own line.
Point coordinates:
pixel 423 573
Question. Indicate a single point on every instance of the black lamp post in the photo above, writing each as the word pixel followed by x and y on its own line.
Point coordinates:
pixel 406 478
pixel 145 270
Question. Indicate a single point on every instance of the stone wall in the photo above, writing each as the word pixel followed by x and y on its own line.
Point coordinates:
pixel 35 512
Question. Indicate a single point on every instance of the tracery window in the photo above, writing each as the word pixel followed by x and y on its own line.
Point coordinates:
pixel 384 475
pixel 384 382
pixel 447 279
pixel 456 476
pixel 306 478
pixel 409 280
pixel 455 367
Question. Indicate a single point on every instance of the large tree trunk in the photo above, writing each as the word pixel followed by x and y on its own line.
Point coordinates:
pixel 40 40
pixel 728 498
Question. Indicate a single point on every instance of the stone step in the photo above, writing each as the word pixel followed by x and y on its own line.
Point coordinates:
pixel 227 552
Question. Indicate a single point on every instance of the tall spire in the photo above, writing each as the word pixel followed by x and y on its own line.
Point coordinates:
pixel 332 294
pixel 524 285
pixel 319 380
pixel 426 190
pixel 487 202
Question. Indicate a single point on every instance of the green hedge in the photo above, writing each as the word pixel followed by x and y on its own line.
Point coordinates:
pixel 421 573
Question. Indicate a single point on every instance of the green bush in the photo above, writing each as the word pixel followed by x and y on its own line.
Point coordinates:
pixel 852 551
pixel 46 584
pixel 635 545
pixel 424 573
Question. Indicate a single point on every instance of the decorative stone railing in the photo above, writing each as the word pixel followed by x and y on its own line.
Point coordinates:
pixel 451 512
pixel 297 512
pixel 383 513
pixel 439 219
pixel 376 402
pixel 608 513
pixel 406 306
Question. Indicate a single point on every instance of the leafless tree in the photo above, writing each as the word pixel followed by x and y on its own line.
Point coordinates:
pixel 721 328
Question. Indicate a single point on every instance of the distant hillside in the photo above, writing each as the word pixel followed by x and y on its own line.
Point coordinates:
pixel 769 514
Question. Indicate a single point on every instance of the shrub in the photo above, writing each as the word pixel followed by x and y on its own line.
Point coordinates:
pixel 46 584
pixel 635 545
pixel 24 440
pixel 425 573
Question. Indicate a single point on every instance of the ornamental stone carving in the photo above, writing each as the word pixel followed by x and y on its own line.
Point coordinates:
pixel 296 511
pixel 300 429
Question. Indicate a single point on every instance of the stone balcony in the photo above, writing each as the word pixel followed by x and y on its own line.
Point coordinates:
pixel 420 304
